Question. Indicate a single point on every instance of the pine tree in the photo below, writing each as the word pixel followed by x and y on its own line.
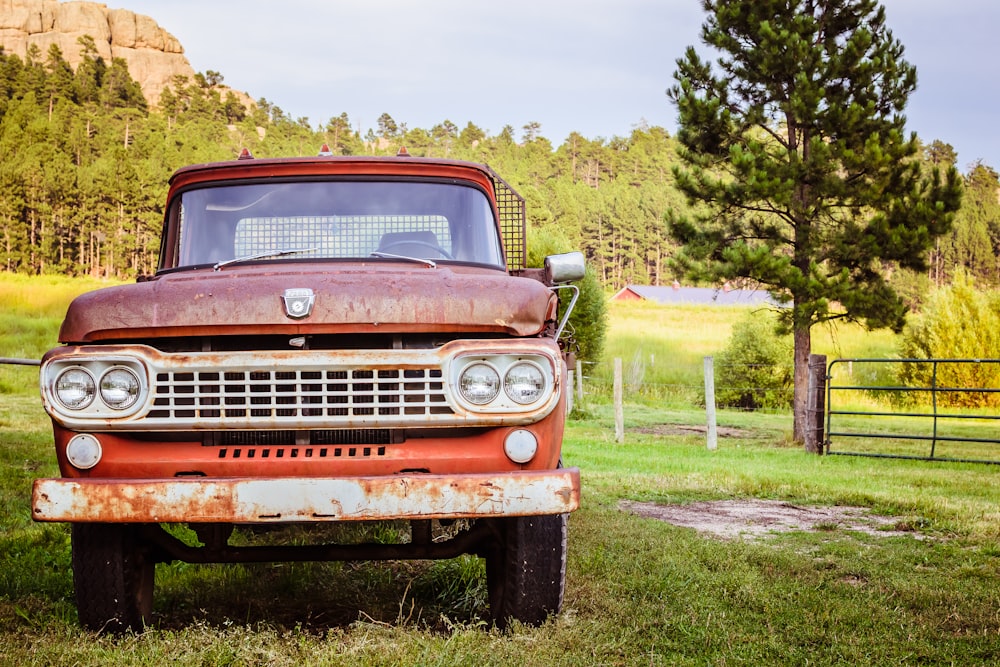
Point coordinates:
pixel 794 139
pixel 981 210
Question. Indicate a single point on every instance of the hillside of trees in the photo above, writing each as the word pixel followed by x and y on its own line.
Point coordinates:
pixel 86 161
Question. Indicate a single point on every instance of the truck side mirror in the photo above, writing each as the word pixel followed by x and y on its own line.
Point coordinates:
pixel 565 268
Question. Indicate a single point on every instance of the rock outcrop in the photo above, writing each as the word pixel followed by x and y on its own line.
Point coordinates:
pixel 154 56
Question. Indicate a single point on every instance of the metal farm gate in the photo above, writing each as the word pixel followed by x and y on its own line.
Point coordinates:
pixel 948 410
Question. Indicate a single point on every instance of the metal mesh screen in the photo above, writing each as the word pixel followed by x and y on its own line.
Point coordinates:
pixel 332 236
pixel 512 222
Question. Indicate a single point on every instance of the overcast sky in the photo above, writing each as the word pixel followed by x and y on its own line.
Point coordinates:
pixel 596 67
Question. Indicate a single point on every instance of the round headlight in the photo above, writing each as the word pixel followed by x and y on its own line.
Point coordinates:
pixel 524 383
pixel 479 384
pixel 75 388
pixel 119 388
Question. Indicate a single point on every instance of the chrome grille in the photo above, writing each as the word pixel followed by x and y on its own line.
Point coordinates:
pixel 301 395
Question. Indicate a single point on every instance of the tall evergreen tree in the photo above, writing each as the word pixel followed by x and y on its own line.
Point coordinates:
pixel 976 236
pixel 60 77
pixel 90 72
pixel 794 138
pixel 387 127
pixel 341 138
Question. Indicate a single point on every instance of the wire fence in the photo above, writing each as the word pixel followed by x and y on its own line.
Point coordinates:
pixel 941 410
pixel 766 387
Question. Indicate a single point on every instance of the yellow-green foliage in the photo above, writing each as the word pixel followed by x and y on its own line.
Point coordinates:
pixel 42 296
pixel 662 347
pixel 31 310
pixel 958 322
pixel 683 334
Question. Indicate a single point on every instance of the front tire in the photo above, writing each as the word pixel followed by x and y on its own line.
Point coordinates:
pixel 526 570
pixel 113 576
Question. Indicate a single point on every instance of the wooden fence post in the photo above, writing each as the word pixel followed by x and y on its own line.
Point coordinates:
pixel 816 404
pixel 579 380
pixel 711 432
pixel 619 400
pixel 569 394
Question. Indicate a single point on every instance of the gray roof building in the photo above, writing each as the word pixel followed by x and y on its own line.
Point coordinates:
pixel 706 296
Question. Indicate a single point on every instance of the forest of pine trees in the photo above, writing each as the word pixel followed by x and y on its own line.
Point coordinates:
pixel 86 162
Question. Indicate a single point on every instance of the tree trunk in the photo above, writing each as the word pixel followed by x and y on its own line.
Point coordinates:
pixel 800 397
pixel 31 242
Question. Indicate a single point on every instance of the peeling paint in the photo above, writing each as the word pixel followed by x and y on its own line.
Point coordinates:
pixel 283 500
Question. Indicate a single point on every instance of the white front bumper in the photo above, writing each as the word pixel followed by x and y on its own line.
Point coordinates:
pixel 306 499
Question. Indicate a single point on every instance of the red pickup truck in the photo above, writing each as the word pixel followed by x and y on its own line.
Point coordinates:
pixel 326 339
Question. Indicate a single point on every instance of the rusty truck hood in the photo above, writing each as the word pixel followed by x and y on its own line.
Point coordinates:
pixel 364 297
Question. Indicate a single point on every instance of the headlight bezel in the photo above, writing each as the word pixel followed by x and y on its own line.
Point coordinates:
pixel 97 368
pixel 502 365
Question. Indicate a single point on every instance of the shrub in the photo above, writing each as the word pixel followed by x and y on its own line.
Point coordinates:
pixel 958 322
pixel 755 369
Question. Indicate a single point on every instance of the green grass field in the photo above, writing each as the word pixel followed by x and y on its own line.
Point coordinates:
pixel 639 591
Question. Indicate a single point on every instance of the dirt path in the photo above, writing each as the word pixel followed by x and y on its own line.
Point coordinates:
pixel 757 518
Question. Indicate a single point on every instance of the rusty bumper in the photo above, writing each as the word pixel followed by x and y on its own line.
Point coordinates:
pixel 306 499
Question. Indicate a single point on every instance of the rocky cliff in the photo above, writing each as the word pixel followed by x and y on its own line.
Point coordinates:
pixel 154 56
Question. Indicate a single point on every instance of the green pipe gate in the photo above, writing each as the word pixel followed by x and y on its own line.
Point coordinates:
pixel 931 410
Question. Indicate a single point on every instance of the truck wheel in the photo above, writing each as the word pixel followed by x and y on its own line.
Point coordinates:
pixel 526 571
pixel 113 577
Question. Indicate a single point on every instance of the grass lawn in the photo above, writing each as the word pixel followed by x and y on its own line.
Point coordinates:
pixel 640 591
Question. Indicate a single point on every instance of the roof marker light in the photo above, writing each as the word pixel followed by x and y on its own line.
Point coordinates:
pixel 324 151
pixel 245 154
pixel 403 152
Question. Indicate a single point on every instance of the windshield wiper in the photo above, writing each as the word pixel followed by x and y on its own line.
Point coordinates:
pixel 262 255
pixel 389 255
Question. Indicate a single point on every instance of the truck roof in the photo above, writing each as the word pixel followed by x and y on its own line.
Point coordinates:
pixel 250 167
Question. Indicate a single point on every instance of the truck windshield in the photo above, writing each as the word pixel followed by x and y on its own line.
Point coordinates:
pixel 336 220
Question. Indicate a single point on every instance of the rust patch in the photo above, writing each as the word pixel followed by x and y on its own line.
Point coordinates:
pixel 361 297
pixel 253 500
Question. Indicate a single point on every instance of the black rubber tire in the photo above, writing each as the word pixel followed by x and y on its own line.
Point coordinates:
pixel 526 571
pixel 113 572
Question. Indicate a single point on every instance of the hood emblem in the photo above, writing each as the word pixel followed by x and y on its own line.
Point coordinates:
pixel 298 302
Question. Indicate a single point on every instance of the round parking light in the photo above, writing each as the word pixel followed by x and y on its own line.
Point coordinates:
pixel 520 446
pixel 84 451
